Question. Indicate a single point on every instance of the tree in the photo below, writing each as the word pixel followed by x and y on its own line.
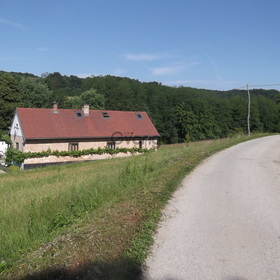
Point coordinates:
pixel 74 87
pixel 196 120
pixel 187 123
pixel 93 99
pixel 55 81
pixel 239 111
pixel 45 75
pixel 58 86
pixel 73 102
pixel 35 93
pixel 5 137
pixel 221 110
pixel 269 114
pixel 10 98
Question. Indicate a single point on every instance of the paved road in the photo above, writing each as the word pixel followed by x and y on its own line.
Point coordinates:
pixel 224 222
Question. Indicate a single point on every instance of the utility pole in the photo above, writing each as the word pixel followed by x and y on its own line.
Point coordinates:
pixel 249 109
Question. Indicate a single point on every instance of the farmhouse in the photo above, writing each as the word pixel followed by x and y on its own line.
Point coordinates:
pixel 37 130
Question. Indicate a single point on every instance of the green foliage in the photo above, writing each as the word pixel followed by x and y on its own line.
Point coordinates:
pixel 175 111
pixel 57 84
pixel 5 137
pixel 73 102
pixel 13 168
pixel 197 120
pixel 16 157
pixel 10 98
pixel 60 220
pixel 93 99
pixel 90 97
pixel 35 93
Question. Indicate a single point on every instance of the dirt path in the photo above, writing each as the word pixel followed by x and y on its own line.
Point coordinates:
pixel 224 222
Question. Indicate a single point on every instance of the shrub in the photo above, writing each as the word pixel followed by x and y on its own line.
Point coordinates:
pixel 13 168
pixel 16 157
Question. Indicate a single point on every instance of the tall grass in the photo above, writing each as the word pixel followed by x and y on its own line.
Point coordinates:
pixel 39 204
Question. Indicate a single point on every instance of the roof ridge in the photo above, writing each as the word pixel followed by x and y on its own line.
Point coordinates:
pixel 95 110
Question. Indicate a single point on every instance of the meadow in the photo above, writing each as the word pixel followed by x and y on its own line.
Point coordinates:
pixel 95 219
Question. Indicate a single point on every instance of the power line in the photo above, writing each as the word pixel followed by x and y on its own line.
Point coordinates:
pixel 271 85
pixel 250 86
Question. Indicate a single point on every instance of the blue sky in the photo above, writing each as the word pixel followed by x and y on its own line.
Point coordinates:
pixel 198 43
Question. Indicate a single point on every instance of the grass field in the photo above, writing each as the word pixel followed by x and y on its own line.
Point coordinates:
pixel 91 220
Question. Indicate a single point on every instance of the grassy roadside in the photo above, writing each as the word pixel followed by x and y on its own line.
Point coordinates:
pixel 91 220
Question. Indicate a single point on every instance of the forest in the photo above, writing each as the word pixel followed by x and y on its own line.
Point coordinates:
pixel 179 113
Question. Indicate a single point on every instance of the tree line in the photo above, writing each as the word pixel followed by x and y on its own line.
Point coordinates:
pixel 179 113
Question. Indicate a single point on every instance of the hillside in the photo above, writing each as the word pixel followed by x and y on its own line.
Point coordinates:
pixel 179 113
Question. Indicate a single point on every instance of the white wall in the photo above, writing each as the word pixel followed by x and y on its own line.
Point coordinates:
pixel 16 134
pixel 15 127
pixel 3 147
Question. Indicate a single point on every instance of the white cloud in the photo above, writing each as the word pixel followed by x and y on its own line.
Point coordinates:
pixel 84 75
pixel 214 65
pixel 193 63
pixel 183 82
pixel 165 70
pixel 214 84
pixel 117 72
pixel 171 70
pixel 141 57
pixel 11 23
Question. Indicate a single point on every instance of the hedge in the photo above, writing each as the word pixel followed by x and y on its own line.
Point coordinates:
pixel 17 157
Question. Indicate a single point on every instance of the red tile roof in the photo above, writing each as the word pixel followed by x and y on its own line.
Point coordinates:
pixel 65 123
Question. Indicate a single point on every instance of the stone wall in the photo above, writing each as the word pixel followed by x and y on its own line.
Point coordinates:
pixel 64 146
pixel 65 159
pixel 17 142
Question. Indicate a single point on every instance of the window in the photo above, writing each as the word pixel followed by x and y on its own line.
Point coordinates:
pixel 79 114
pixel 139 116
pixel 105 115
pixel 73 147
pixel 111 145
pixel 17 145
pixel 140 144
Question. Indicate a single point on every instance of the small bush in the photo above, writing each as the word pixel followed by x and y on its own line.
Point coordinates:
pixel 13 168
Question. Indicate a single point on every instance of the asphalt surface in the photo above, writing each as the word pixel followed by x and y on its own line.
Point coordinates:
pixel 223 223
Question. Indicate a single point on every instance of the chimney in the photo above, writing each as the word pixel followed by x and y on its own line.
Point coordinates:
pixel 55 107
pixel 86 110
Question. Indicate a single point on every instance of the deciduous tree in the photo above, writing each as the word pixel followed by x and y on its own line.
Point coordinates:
pixel 35 93
pixel 93 99
pixel 10 98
